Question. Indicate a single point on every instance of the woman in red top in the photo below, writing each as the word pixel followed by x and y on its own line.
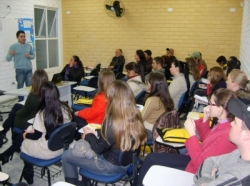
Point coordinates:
pixel 209 141
pixel 96 113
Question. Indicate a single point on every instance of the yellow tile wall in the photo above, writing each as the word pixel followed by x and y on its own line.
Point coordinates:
pixel 194 25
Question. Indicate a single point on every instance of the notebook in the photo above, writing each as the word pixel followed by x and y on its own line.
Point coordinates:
pixel 57 78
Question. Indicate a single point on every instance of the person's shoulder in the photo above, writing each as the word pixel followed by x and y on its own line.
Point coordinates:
pixel 14 45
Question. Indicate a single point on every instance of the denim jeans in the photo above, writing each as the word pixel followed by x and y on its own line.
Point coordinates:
pixel 23 76
pixel 99 166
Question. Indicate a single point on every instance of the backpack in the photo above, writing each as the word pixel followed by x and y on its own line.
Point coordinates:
pixel 166 120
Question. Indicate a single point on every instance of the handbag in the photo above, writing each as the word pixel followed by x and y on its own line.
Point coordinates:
pixel 82 149
pixel 173 135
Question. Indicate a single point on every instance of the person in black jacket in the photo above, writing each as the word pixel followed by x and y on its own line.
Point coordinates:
pixel 122 123
pixel 73 71
pixel 118 61
pixel 141 60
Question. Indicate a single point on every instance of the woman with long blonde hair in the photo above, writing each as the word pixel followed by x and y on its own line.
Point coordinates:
pixel 238 82
pixel 122 123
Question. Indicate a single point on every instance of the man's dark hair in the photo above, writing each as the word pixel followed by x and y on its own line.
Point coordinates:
pixel 159 60
pixel 221 59
pixel 141 55
pixel 148 52
pixel 20 32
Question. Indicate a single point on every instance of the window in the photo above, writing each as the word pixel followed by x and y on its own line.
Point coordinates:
pixel 46 37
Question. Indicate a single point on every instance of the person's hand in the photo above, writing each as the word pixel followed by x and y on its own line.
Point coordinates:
pixel 27 55
pixel 213 171
pixel 206 113
pixel 111 67
pixel 12 52
pixel 83 136
pixel 76 113
pixel 87 130
pixel 190 127
pixel 24 134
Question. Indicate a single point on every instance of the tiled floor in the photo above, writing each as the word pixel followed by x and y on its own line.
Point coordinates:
pixel 14 167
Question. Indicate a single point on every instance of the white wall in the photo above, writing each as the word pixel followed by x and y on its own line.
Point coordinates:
pixel 20 9
pixel 245 39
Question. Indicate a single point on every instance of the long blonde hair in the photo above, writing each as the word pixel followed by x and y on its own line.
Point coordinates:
pixel 106 76
pixel 242 81
pixel 123 119
pixel 193 69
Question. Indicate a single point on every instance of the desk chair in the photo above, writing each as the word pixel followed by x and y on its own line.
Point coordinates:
pixel 162 176
pixel 1 117
pixel 111 179
pixel 60 138
pixel 139 99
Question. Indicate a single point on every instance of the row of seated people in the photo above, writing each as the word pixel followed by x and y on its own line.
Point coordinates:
pixel 159 82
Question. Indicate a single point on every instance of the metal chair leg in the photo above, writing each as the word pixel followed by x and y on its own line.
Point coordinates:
pixel 48 173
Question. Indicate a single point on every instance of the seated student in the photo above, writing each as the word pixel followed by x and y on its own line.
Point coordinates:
pixel 136 77
pixel 52 113
pixel 197 58
pixel 117 60
pixel 232 168
pixel 203 62
pixel 170 56
pixel 193 69
pixel 157 67
pixel 182 81
pixel 222 61
pixel 158 101
pixel 238 82
pixel 73 71
pixel 211 142
pixel 121 113
pixel 149 60
pixel 141 60
pixel 20 114
pixel 96 113
pixel 232 63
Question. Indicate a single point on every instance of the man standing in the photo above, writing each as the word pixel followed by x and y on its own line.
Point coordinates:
pixel 156 67
pixel 23 54
pixel 232 168
pixel 117 61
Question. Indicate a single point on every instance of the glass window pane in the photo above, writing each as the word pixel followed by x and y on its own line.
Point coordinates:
pixel 38 20
pixel 53 53
pixel 41 54
pixel 52 23
pixel 40 26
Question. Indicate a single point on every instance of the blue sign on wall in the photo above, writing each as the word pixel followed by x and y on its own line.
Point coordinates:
pixel 27 25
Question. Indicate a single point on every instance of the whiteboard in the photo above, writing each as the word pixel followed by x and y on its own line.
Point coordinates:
pixel 9 29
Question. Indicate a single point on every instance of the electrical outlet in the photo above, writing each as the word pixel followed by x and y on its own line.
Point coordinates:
pixel 13 83
pixel 7 6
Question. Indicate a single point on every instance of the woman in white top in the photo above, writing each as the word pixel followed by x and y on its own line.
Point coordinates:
pixel 181 81
pixel 136 77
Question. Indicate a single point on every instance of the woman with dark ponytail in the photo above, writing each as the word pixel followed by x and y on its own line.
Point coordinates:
pixel 181 81
pixel 73 71
pixel 136 79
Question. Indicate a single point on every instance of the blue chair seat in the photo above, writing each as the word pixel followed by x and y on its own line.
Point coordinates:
pixel 84 82
pixel 39 162
pixel 101 178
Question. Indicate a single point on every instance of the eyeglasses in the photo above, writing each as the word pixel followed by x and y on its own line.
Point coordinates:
pixel 212 104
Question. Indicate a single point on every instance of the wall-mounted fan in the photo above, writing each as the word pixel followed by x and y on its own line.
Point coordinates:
pixel 114 8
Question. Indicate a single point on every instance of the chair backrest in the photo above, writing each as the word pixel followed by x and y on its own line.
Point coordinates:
pixel 62 137
pixel 94 72
pixel 166 120
pixel 119 75
pixel 193 88
pixel 93 82
pixel 181 100
pixel 139 99
pixel 98 67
